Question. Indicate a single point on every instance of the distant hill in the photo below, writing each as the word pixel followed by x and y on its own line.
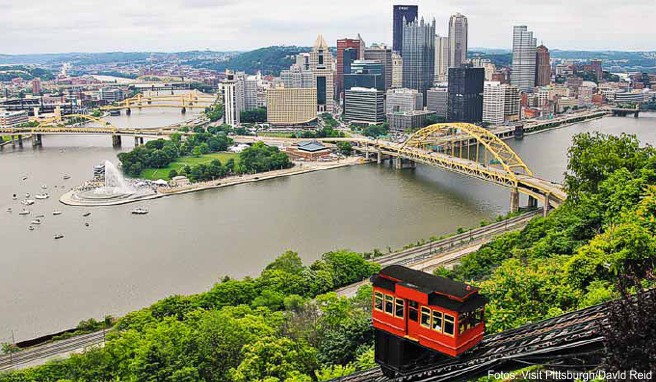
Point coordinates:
pixel 499 58
pixel 106 57
pixel 270 60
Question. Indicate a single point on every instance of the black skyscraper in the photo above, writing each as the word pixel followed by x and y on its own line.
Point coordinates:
pixel 410 13
pixel 465 94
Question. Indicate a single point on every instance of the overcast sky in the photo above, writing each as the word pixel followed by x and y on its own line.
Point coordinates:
pixel 45 26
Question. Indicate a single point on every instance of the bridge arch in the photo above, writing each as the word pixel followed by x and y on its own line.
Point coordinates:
pixel 452 139
pixel 58 121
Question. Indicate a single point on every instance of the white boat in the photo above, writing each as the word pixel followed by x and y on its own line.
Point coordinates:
pixel 27 195
pixel 24 212
pixel 40 216
pixel 56 213
pixel 30 228
pixel 27 202
pixel 14 197
pixel 24 178
pixel 59 236
pixel 36 221
pixel 66 176
pixel 44 186
pixel 139 211
pixel 45 195
pixel 9 209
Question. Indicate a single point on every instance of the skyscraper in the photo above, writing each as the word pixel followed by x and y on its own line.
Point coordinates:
pixel 321 64
pixel 465 94
pixel 418 55
pixel 523 61
pixel 397 70
pixel 542 66
pixel 494 100
pixel 384 56
pixel 356 46
pixel 457 40
pixel 596 68
pixel 365 74
pixel 232 89
pixel 402 12
pixel 441 58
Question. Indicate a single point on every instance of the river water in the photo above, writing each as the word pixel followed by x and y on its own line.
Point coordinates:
pixel 122 262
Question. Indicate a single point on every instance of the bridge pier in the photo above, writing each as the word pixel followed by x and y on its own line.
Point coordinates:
pixel 36 140
pixel 128 111
pixel 379 157
pixel 514 200
pixel 116 140
pixel 532 202
pixel 20 140
pixel 545 209
pixel 184 110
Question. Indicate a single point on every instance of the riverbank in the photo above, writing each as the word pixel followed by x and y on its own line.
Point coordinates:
pixel 299 168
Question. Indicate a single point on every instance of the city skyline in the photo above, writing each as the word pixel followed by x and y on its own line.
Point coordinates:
pixel 45 27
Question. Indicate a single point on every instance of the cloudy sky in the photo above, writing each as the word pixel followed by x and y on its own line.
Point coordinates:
pixel 41 26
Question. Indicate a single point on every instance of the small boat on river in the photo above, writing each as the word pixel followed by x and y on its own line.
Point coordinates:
pixel 139 211
pixel 45 195
pixel 58 236
pixel 24 212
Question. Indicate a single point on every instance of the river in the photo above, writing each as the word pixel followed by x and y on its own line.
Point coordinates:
pixel 122 262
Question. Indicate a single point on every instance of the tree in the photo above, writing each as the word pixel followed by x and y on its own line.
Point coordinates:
pixel 172 174
pixel 196 152
pixel 274 357
pixel 345 148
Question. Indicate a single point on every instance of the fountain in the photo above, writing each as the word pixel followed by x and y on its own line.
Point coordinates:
pixel 109 188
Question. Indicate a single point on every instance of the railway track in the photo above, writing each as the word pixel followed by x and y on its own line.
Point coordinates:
pixel 54 349
pixel 573 337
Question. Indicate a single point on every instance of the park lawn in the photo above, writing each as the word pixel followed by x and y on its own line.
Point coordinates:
pixel 163 173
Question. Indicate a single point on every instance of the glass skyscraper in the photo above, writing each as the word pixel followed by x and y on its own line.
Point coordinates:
pixel 410 13
pixel 419 55
pixel 523 60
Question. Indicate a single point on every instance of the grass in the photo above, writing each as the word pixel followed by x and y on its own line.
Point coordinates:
pixel 163 173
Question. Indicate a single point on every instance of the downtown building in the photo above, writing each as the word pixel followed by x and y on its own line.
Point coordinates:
pixel 232 91
pixel 418 55
pixel 523 59
pixel 291 106
pixel 397 70
pixel 437 100
pixel 364 106
pixel 348 50
pixel 542 66
pixel 494 99
pixel 441 58
pixel 321 65
pixel 402 100
pixel 383 55
pixel 465 94
pixel 402 14
pixel 365 74
pixel 457 40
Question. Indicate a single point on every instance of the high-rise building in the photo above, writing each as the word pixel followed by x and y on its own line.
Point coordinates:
pixel 418 55
pixel 363 105
pixel 542 66
pixel 321 64
pixel 511 102
pixel 291 106
pixel 437 100
pixel 36 86
pixel 251 85
pixel 355 46
pixel 465 94
pixel 494 99
pixel 402 100
pixel 457 40
pixel 402 14
pixel 384 56
pixel 365 74
pixel 597 70
pixel 523 60
pixel 232 89
pixel 441 58
pixel 407 121
pixel 397 70
pixel 296 77
pixel 490 68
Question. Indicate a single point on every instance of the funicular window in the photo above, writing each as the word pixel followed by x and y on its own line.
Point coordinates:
pixel 425 317
pixel 437 321
pixel 449 324
pixel 389 304
pixel 399 308
pixel 413 314
pixel 378 301
pixel 469 320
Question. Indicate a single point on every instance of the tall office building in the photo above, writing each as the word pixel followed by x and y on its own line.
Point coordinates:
pixel 397 70
pixel 292 106
pixel 542 66
pixel 597 70
pixel 441 58
pixel 402 100
pixel 382 54
pixel 296 77
pixel 36 86
pixel 232 90
pixel 354 47
pixel 437 101
pixel 321 64
pixel 523 60
pixel 407 13
pixel 418 55
pixel 363 105
pixel 251 85
pixel 457 40
pixel 365 74
pixel 494 100
pixel 511 102
pixel 465 94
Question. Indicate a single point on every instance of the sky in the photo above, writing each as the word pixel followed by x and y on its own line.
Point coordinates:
pixel 48 26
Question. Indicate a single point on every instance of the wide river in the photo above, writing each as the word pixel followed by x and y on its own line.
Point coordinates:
pixel 121 262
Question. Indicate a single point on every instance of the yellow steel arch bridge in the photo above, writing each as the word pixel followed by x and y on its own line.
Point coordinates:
pixel 473 151
pixel 185 101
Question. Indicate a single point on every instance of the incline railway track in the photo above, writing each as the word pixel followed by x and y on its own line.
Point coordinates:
pixel 573 338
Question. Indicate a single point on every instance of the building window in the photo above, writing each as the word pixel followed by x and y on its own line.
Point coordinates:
pixel 378 301
pixel 425 317
pixel 399 308
pixel 449 325
pixel 413 314
pixel 437 321
pixel 389 304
